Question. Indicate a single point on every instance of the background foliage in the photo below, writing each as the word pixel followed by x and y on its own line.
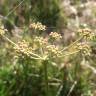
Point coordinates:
pixel 72 75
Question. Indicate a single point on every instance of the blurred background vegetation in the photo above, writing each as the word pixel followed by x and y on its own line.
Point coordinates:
pixel 63 16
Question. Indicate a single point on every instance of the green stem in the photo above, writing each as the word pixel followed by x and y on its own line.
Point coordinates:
pixel 46 77
pixel 38 57
pixel 71 53
pixel 9 40
pixel 71 44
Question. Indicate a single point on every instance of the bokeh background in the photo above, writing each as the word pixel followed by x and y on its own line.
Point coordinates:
pixel 62 16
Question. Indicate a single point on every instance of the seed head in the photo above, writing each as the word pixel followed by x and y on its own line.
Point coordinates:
pixel 23 48
pixel 2 30
pixel 83 47
pixel 41 41
pixel 55 35
pixel 38 26
pixel 86 33
pixel 54 50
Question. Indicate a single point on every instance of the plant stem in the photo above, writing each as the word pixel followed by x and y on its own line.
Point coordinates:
pixel 71 44
pixel 38 57
pixel 46 77
pixel 71 89
pixel 71 53
pixel 14 9
pixel 58 92
pixel 9 40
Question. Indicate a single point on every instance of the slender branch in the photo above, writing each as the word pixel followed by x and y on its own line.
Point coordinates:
pixel 90 67
pixel 71 44
pixel 9 40
pixel 58 92
pixel 39 57
pixel 46 77
pixel 71 53
pixel 71 89
pixel 14 9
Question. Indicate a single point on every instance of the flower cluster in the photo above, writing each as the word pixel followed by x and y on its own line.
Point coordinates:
pixel 23 48
pixel 54 50
pixel 41 41
pixel 86 33
pixel 55 35
pixel 2 30
pixel 38 26
pixel 84 47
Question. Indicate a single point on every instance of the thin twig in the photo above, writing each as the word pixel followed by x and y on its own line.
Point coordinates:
pixel 71 44
pixel 90 67
pixel 9 40
pixel 14 9
pixel 71 53
pixel 71 89
pixel 39 57
pixel 58 92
